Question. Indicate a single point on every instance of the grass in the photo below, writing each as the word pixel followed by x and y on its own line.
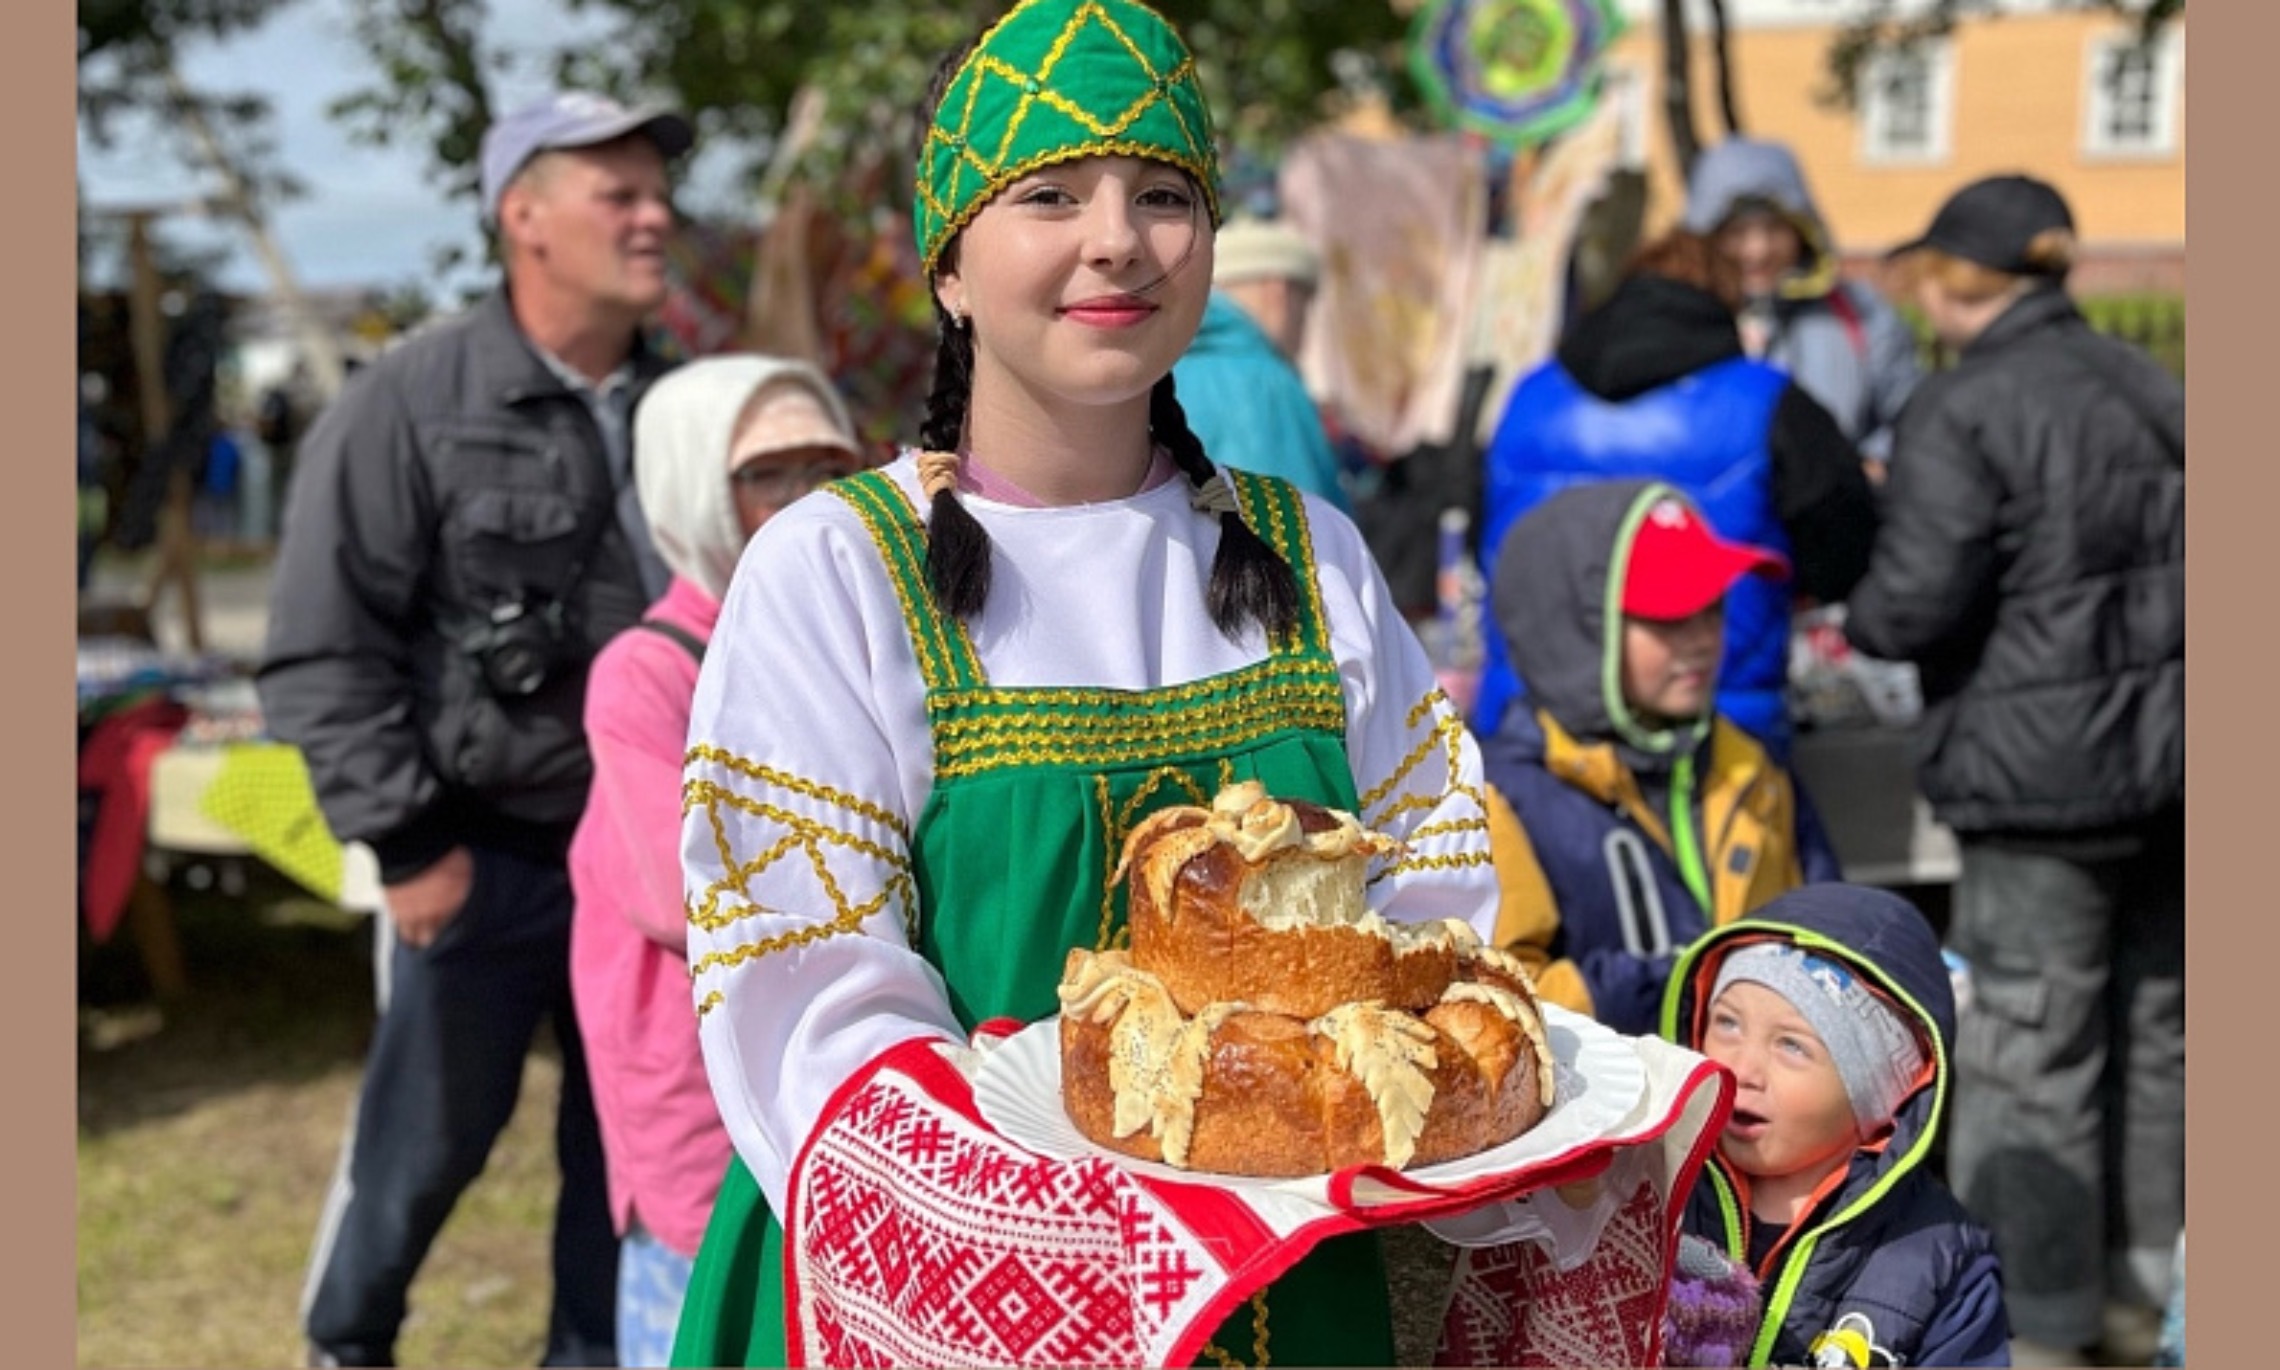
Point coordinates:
pixel 208 1133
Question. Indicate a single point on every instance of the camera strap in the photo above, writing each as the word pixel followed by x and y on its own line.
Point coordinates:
pixel 689 641
pixel 593 540
pixel 475 621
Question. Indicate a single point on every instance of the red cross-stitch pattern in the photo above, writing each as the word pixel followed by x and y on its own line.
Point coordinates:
pixel 932 1241
pixel 918 1236
pixel 1513 1306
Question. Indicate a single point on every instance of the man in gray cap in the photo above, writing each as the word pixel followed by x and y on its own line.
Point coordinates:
pixel 462 536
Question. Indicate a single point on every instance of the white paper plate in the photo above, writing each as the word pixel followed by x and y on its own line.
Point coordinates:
pixel 1597 1080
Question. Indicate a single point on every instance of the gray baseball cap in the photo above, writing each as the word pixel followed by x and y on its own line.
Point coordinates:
pixel 571 119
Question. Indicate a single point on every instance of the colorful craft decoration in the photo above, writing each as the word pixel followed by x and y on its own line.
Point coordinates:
pixel 708 269
pixel 1514 71
pixel 871 304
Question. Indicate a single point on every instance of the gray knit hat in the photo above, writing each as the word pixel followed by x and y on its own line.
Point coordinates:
pixel 1876 1055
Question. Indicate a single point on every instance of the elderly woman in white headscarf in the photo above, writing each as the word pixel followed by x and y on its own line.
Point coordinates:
pixel 719 446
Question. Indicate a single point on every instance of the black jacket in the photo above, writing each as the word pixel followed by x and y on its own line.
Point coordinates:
pixel 451 476
pixel 1652 331
pixel 2032 565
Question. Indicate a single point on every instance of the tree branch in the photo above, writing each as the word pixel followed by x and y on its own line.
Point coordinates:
pixel 1722 49
pixel 1678 87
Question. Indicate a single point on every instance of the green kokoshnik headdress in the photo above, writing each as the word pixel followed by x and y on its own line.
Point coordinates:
pixel 1052 81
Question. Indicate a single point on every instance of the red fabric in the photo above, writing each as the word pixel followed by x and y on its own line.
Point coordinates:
pixel 115 762
pixel 917 1235
pixel 1513 1306
pixel 1512 1303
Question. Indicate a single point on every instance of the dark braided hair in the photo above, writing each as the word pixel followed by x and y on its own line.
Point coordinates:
pixel 957 547
pixel 1250 582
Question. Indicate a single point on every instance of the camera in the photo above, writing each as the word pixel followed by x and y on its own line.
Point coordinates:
pixel 516 645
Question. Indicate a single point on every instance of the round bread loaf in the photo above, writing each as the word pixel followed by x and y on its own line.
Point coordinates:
pixel 1260 902
pixel 1265 1022
pixel 1243 1091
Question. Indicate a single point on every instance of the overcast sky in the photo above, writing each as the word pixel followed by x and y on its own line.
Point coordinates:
pixel 371 216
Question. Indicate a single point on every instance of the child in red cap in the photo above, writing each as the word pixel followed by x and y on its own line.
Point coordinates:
pixel 1626 816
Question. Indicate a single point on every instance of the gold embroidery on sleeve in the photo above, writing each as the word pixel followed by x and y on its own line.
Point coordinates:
pixel 805 832
pixel 769 775
pixel 729 898
pixel 1445 739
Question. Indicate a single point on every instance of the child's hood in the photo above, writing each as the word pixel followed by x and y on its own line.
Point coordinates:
pixel 1882 937
pixel 1558 596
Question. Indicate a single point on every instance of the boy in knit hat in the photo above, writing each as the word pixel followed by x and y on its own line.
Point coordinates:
pixel 1833 1009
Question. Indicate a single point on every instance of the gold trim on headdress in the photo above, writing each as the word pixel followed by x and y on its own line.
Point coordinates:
pixel 1052 81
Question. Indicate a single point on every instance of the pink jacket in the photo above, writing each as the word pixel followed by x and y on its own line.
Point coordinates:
pixel 629 970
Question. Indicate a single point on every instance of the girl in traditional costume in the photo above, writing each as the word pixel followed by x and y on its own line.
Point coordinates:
pixel 941 693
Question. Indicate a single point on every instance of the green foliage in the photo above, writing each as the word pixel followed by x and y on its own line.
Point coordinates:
pixel 126 52
pixel 2154 322
pixel 129 87
pixel 1875 26
pixel 429 86
pixel 110 26
pixel 737 66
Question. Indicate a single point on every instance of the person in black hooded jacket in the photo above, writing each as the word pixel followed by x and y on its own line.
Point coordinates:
pixel 1654 384
pixel 2031 565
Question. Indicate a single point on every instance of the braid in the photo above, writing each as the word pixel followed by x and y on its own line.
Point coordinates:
pixel 957 547
pixel 944 427
pixel 1250 582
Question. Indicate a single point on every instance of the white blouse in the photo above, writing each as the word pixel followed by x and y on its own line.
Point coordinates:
pixel 810 759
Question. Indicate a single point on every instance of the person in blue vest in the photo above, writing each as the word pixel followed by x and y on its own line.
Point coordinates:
pixel 1625 817
pixel 1654 383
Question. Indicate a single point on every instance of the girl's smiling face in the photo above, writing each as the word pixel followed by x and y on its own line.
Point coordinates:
pixel 1084 280
pixel 1792 1120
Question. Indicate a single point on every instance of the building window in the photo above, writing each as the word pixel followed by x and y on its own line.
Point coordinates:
pixel 1906 104
pixel 2134 91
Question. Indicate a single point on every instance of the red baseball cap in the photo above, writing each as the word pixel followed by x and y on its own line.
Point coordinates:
pixel 1679 567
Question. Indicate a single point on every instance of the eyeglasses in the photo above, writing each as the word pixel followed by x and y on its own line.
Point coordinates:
pixel 783 484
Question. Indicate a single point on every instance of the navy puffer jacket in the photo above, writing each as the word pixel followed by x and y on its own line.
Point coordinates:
pixel 1887 1269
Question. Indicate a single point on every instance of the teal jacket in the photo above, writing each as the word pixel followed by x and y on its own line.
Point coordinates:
pixel 1246 402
